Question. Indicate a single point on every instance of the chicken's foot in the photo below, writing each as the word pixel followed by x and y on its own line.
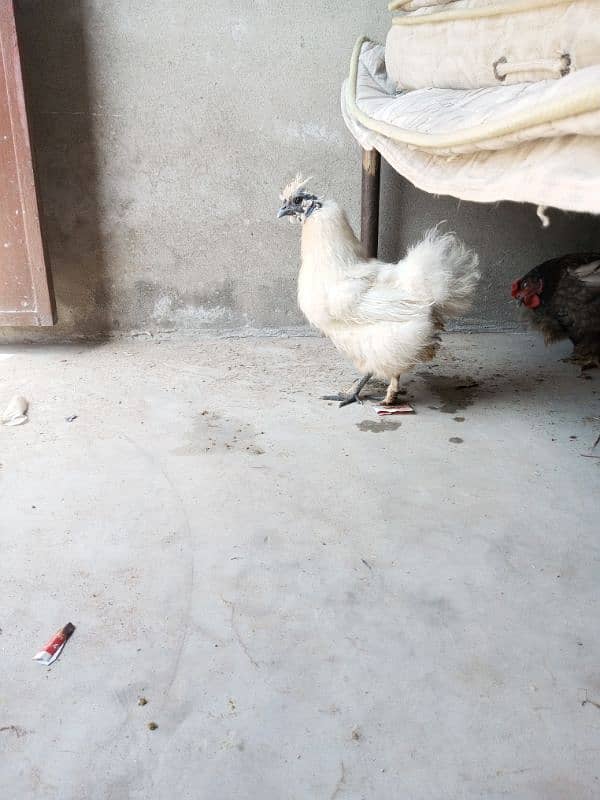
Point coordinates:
pixel 353 395
pixel 391 396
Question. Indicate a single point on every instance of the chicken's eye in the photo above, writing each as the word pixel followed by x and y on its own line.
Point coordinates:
pixel 525 284
pixel 297 200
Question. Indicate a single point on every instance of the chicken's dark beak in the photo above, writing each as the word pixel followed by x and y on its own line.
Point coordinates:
pixel 285 211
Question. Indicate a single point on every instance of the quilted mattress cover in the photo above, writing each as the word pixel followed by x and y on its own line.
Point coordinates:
pixel 534 142
pixel 466 44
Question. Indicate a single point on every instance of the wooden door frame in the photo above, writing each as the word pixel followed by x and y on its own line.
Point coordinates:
pixel 43 311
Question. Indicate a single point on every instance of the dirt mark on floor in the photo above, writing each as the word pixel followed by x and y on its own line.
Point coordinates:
pixel 377 427
pixel 212 432
pixel 14 729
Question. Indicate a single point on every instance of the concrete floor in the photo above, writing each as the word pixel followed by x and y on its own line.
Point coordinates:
pixel 317 604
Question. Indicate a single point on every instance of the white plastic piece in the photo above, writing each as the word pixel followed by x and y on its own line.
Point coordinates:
pixel 15 412
pixel 542 216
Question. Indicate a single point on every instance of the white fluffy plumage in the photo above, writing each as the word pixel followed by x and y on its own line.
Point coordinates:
pixel 385 318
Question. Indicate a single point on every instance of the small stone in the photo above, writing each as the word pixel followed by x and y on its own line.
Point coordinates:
pixel 142 701
pixel 456 440
pixel 152 726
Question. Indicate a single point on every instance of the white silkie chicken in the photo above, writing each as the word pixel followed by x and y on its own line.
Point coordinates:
pixel 385 317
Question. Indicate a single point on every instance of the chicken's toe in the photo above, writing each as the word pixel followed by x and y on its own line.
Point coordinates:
pixel 353 396
pixel 343 399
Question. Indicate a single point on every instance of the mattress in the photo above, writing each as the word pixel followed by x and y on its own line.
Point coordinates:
pixel 466 44
pixel 535 142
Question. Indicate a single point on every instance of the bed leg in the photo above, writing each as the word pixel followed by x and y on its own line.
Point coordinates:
pixel 369 221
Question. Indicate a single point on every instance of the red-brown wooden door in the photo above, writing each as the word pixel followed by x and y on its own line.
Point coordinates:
pixel 25 291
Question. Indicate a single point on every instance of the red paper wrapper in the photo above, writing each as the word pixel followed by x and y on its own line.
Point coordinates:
pixel 51 651
pixel 387 411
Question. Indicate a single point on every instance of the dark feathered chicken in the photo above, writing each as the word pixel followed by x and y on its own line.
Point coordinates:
pixel 563 301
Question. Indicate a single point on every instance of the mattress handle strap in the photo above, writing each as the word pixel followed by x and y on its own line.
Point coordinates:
pixel 559 66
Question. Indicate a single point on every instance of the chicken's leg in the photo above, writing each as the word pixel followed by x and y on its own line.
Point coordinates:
pixel 391 396
pixel 353 395
pixel 585 356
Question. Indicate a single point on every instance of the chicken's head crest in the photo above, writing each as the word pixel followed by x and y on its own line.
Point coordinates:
pixel 298 203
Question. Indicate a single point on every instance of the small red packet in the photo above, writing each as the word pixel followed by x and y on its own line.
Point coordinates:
pixel 387 411
pixel 51 651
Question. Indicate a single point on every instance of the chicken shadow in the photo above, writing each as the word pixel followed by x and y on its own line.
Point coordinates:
pixel 450 391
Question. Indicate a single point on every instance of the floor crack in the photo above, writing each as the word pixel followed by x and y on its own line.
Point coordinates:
pixel 341 782
pixel 236 632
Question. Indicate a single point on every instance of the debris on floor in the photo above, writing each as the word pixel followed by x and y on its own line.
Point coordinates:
pixel 592 454
pixel 142 701
pixel 585 700
pixel 72 418
pixel 152 726
pixel 15 412
pixel 590 702
pixel 388 411
pixel 16 729
pixel 51 651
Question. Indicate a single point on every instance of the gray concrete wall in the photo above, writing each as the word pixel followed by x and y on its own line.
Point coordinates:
pixel 163 131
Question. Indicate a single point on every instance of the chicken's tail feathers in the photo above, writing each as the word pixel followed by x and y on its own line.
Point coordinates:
pixel 449 270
